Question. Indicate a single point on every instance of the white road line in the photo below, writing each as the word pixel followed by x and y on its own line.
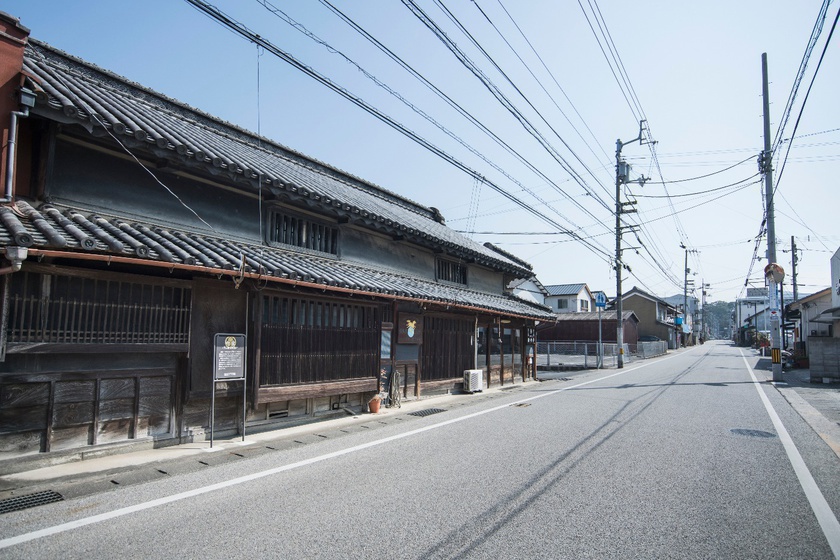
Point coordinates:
pixel 70 525
pixel 825 517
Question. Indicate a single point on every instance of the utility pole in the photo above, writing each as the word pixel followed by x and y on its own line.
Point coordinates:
pixel 686 286
pixel 773 273
pixel 703 287
pixel 622 176
pixel 793 260
pixel 685 296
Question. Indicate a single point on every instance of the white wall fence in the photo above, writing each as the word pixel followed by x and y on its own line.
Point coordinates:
pixel 585 355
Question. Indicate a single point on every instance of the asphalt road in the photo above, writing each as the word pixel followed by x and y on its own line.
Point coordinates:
pixel 677 457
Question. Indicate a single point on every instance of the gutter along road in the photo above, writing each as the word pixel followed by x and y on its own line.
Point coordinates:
pixel 684 456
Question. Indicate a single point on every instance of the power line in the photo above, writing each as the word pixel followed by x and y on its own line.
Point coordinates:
pixel 356 27
pixel 637 114
pixel 243 31
pixel 702 176
pixel 697 193
pixel 805 101
pixel 536 79
pixel 503 100
pixel 812 42
pixel 302 29
pixel 553 78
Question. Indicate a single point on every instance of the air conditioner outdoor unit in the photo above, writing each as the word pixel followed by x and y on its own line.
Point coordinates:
pixel 473 380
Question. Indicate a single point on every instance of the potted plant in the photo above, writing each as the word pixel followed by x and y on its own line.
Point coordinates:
pixel 374 403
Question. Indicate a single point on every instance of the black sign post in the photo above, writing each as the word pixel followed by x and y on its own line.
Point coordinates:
pixel 228 365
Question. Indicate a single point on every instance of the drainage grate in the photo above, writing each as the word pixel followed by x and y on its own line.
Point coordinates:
pixel 30 500
pixel 752 433
pixel 427 412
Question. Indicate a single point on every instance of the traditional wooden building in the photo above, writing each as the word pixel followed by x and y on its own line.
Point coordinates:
pixel 586 327
pixel 135 228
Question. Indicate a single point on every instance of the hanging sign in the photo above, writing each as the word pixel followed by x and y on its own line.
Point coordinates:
pixel 410 328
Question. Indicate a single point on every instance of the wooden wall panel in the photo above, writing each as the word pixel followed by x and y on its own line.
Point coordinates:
pixel 68 438
pixel 14 395
pixel 74 391
pixel 72 414
pixel 158 387
pixel 23 418
pixel 114 409
pixel 116 389
pixel 22 442
pixel 57 402
pixel 114 430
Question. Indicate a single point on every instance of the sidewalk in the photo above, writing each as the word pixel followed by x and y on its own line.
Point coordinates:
pixel 817 403
pixel 103 473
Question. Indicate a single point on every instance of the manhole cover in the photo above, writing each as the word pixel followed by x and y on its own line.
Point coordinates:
pixel 427 412
pixel 751 433
pixel 30 500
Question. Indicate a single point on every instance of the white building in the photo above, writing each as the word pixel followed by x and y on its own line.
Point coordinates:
pixel 570 298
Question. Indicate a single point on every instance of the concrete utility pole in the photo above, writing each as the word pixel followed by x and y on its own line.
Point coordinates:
pixel 622 176
pixel 703 287
pixel 773 273
pixel 685 287
pixel 793 260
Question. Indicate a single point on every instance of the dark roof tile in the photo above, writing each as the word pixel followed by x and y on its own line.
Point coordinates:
pixel 71 90
pixel 74 230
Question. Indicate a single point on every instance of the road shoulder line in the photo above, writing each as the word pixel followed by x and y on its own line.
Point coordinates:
pixel 825 516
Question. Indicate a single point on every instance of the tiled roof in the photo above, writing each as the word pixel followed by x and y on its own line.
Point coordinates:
pixel 564 289
pixel 636 291
pixel 73 91
pixel 74 233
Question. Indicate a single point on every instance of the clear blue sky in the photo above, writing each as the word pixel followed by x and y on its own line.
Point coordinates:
pixel 695 73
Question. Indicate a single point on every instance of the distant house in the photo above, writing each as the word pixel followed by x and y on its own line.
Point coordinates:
pixel 823 351
pixel 687 307
pixel 752 314
pixel 806 312
pixel 656 316
pixel 585 327
pixel 570 298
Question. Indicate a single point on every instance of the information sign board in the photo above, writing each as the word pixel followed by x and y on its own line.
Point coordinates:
pixel 229 357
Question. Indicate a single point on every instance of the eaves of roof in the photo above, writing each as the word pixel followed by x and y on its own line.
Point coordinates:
pixel 70 90
pixel 76 234
pixel 806 299
pixel 641 293
pixel 593 316
pixel 564 289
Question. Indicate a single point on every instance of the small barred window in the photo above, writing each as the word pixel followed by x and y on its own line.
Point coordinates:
pixel 300 232
pixel 450 271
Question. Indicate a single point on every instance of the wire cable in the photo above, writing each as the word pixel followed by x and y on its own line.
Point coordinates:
pixel 240 29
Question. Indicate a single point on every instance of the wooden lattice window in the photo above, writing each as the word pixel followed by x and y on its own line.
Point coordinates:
pixel 79 310
pixel 451 271
pixel 312 341
pixel 297 231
